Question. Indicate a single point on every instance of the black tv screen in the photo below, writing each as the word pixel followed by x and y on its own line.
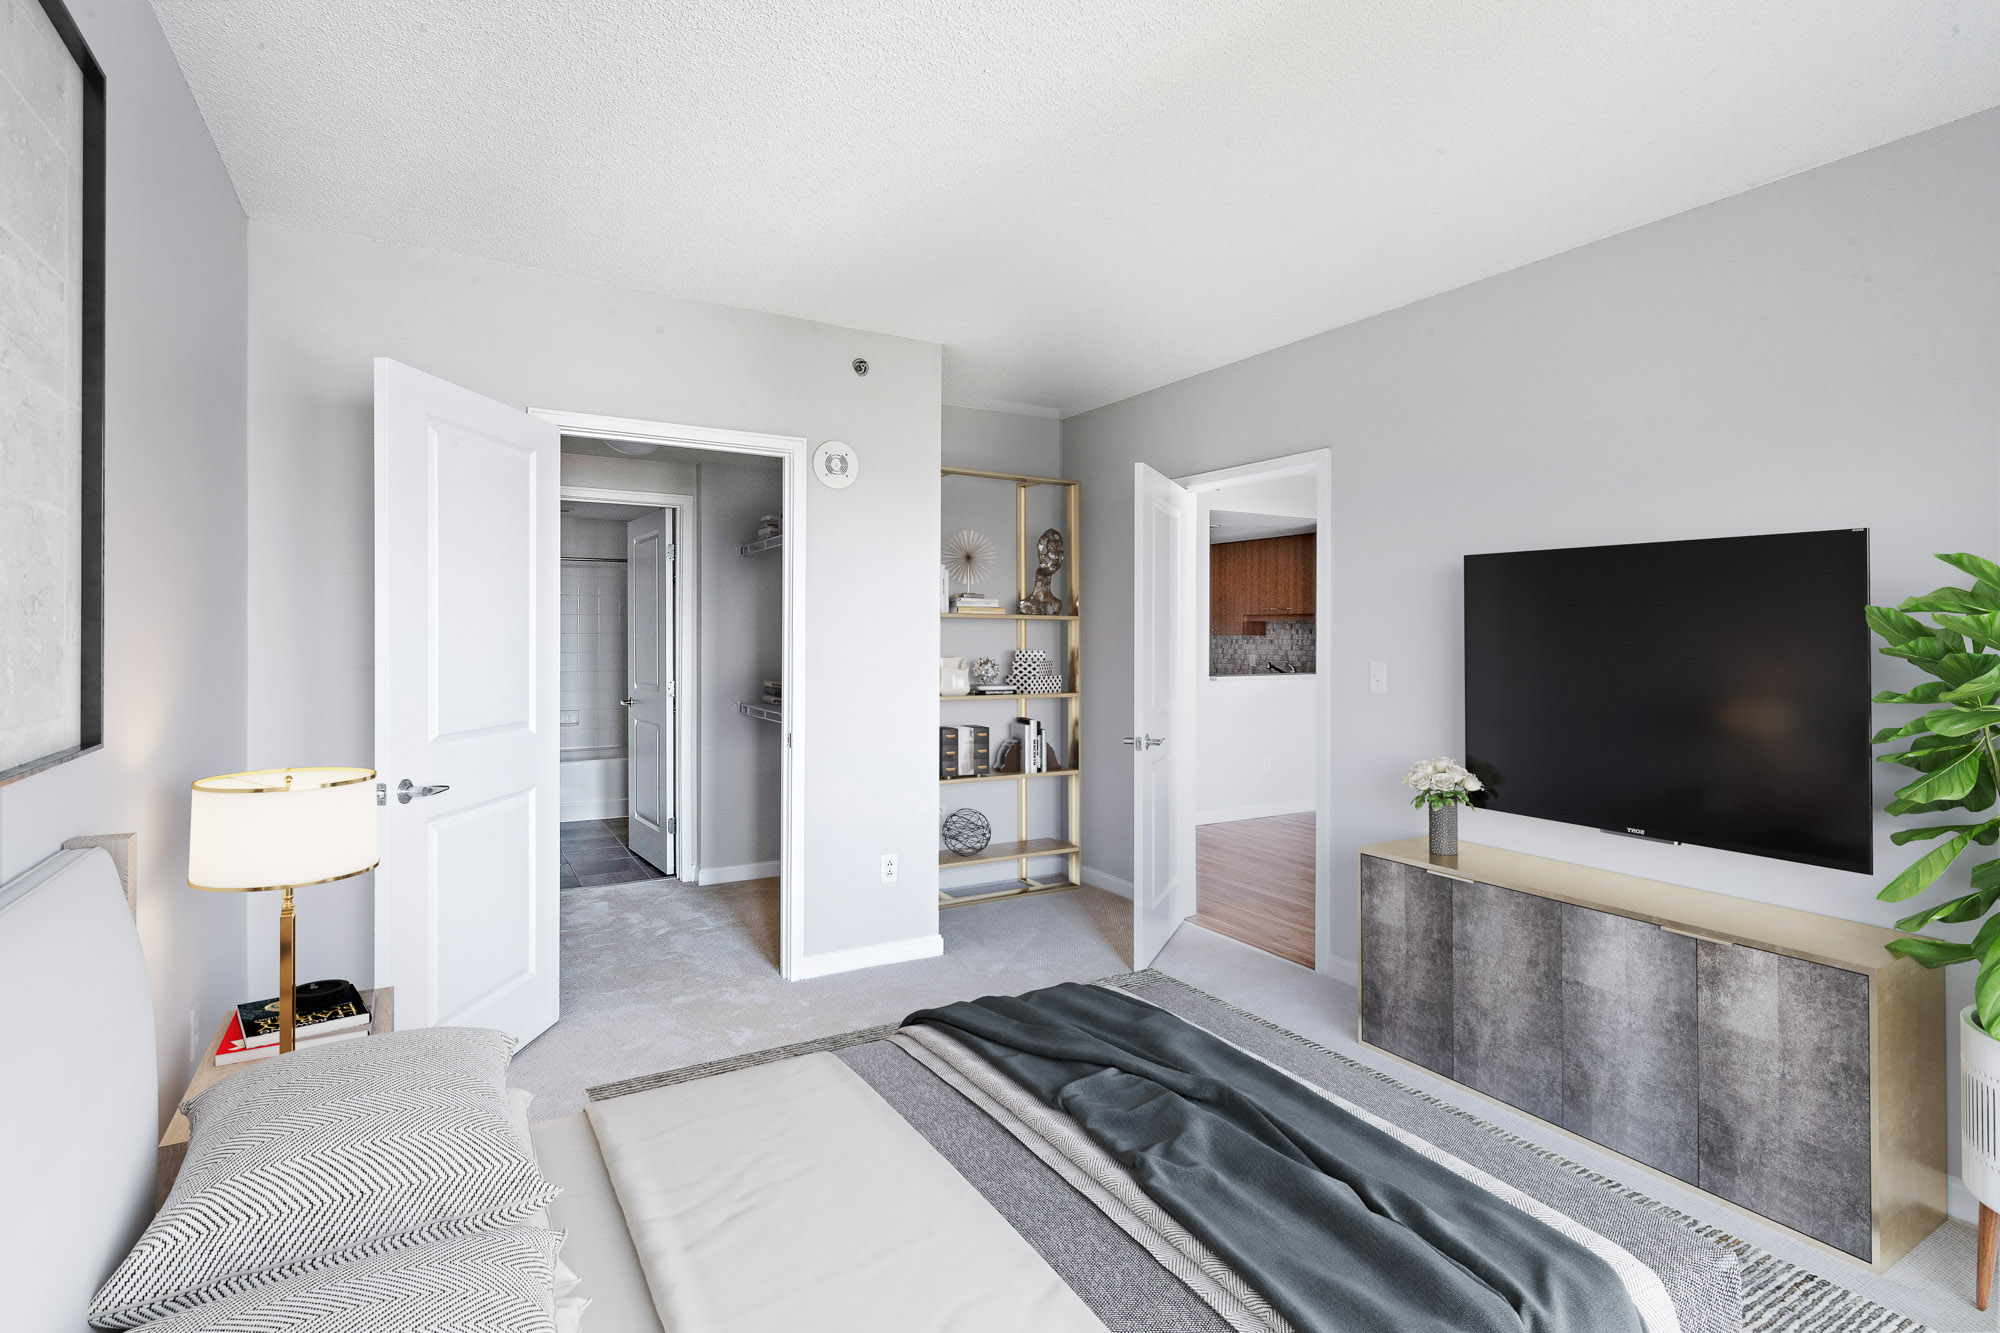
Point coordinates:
pixel 1712 692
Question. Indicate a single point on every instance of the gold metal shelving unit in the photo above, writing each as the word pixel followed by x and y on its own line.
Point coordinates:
pixel 1069 844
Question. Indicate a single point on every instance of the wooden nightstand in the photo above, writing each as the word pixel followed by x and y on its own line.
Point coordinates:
pixel 173 1144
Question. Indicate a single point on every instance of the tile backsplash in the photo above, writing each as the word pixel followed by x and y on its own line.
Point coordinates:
pixel 1285 644
pixel 593 655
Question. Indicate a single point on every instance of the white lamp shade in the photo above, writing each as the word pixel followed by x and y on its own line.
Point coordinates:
pixel 280 827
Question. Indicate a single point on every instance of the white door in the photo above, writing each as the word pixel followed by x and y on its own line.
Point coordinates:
pixel 466 570
pixel 1162 740
pixel 649 689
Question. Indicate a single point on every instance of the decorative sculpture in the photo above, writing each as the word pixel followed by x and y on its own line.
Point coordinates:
pixel 966 832
pixel 1049 554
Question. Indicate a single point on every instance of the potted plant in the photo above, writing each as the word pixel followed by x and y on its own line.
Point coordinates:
pixel 1951 746
pixel 1442 786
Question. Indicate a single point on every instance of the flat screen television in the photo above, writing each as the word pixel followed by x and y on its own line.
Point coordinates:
pixel 1712 692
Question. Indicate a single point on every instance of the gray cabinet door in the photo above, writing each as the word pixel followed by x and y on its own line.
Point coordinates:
pixel 1506 980
pixel 1784 1091
pixel 1628 1043
pixel 1406 962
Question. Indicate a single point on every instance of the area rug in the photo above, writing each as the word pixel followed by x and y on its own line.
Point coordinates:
pixel 1778 1296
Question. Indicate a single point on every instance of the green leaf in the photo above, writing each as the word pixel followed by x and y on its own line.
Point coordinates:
pixel 1970 907
pixel 1986 991
pixel 1910 728
pixel 1986 875
pixel 1979 689
pixel 1925 693
pixel 1929 952
pixel 1924 650
pixel 1949 783
pixel 1982 597
pixel 1903 837
pixel 1894 626
pixel 1927 754
pixel 1978 566
pixel 1957 669
pixel 1983 628
pixel 1924 872
pixel 1960 721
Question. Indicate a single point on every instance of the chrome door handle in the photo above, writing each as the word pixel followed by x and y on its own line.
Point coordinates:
pixel 407 791
pixel 627 703
pixel 1144 742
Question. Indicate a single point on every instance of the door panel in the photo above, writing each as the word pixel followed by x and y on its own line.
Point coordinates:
pixel 466 679
pixel 1506 979
pixel 1783 1049
pixel 650 703
pixel 1165 642
pixel 1628 1043
pixel 1406 962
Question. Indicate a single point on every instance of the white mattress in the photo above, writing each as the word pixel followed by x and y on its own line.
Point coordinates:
pixel 789 1196
pixel 597 1247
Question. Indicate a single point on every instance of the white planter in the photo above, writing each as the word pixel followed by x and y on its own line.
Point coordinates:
pixel 1979 1107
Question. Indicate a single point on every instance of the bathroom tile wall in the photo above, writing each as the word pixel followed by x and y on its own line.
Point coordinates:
pixel 593 655
pixel 1286 644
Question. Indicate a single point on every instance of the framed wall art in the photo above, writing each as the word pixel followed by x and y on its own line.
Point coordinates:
pixel 51 390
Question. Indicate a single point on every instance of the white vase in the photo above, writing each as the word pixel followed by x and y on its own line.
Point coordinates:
pixel 1979 1109
pixel 954 677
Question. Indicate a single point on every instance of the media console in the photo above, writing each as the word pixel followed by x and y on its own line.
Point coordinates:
pixel 1777 1059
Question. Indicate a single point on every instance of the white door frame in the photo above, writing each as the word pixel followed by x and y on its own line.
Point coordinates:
pixel 687 685
pixel 791 451
pixel 1317 463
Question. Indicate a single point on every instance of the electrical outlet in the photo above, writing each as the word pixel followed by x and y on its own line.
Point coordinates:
pixel 888 867
pixel 1378 677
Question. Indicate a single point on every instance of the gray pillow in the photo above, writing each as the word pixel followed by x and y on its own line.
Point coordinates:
pixel 486 1282
pixel 319 1156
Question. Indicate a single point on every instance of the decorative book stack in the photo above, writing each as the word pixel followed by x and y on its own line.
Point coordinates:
pixel 974 604
pixel 328 1011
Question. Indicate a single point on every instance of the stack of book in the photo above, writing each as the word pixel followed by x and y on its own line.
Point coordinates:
pixel 774 692
pixel 974 604
pixel 327 1011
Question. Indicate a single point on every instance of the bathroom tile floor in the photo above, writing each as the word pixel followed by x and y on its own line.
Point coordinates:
pixel 594 852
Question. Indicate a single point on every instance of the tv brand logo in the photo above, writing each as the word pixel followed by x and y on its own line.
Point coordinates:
pixel 1638 831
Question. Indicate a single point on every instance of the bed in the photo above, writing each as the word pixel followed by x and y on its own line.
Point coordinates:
pixel 1074 1160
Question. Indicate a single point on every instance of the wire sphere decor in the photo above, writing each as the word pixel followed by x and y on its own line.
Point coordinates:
pixel 966 832
pixel 985 671
pixel 970 557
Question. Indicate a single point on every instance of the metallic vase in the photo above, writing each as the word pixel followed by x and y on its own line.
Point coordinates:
pixel 1444 830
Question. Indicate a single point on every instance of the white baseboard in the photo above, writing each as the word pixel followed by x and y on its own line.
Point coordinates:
pixel 868 955
pixel 1236 812
pixel 737 874
pixel 1110 883
pixel 1343 970
pixel 1958 1201
pixel 603 808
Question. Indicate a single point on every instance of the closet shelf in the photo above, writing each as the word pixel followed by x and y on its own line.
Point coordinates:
pixel 1009 851
pixel 761 544
pixel 1009 777
pixel 762 712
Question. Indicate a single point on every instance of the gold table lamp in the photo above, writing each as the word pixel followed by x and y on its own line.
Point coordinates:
pixel 281 828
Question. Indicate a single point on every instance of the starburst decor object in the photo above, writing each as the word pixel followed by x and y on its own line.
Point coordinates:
pixel 969 556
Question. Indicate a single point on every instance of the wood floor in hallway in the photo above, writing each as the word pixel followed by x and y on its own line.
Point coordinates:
pixel 1254 883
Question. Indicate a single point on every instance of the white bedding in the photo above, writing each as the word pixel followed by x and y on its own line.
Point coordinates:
pixel 790 1196
pixel 596 1244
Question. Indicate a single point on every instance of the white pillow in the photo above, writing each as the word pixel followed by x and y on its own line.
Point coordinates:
pixel 320 1156
pixel 569 1308
pixel 475 1283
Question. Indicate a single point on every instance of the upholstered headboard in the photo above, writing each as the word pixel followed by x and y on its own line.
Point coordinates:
pixel 80 1113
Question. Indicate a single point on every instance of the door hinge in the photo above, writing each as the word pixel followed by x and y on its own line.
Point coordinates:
pixel 381 793
pixel 673 826
pixel 673 552
pixel 672 687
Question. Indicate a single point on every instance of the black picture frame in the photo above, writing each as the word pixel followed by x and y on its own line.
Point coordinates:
pixel 90 735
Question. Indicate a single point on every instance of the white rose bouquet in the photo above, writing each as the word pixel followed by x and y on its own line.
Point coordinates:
pixel 1441 782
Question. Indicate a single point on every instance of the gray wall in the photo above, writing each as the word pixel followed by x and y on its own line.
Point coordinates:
pixel 323 305
pixel 741 644
pixel 175 663
pixel 1002 441
pixel 1818 353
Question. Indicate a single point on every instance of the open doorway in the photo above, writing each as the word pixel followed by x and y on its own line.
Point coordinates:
pixel 1257 713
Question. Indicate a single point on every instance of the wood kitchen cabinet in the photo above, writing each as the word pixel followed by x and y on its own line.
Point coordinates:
pixel 1271 578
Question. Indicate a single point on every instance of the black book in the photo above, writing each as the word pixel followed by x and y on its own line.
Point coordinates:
pixel 328 1005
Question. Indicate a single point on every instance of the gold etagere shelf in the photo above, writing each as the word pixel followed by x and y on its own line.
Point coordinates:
pixel 1024 850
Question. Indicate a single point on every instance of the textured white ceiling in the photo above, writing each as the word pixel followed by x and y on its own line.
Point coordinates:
pixel 1080 199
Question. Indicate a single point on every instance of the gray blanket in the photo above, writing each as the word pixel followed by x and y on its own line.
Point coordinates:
pixel 1340 1226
